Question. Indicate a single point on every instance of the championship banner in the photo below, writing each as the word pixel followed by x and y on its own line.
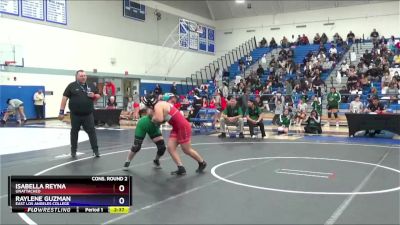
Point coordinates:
pixel 193 36
pixel 183 34
pixel 211 39
pixel 202 38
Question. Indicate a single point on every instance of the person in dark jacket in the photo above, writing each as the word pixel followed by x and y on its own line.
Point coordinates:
pixel 81 96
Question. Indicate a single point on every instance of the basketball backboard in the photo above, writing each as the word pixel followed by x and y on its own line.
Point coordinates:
pixel 11 53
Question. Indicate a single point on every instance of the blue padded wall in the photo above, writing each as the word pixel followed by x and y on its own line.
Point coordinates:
pixel 23 93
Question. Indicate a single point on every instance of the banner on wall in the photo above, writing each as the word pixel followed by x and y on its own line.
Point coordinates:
pixel 183 34
pixel 9 7
pixel 195 36
pixel 32 9
pixel 210 40
pixel 56 11
pixel 203 39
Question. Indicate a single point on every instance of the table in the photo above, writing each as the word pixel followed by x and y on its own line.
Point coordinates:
pixel 358 122
pixel 109 116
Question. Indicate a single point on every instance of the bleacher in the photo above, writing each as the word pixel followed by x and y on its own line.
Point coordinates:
pixel 256 54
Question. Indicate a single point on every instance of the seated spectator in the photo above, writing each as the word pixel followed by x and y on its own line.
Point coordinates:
pixel 212 104
pixel 317 39
pixel 232 115
pixel 382 41
pixel 304 40
pixel 375 107
pixel 16 107
pixel 284 122
pixel 352 80
pixel 285 43
pixel 264 60
pixel 129 108
pixel 263 43
pixel 254 118
pixel 356 106
pixel 111 103
pixel 260 70
pixel 322 48
pixel 350 38
pixel 392 92
pixel 301 113
pixel 344 68
pixel 324 38
pixel 374 37
pixel 396 59
pixel 313 123
pixel 273 44
pixel 333 50
pixel 249 59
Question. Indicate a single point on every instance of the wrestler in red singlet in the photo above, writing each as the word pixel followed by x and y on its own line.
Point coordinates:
pixel 180 135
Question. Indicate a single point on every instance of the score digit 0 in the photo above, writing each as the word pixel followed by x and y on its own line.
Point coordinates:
pixel 121 188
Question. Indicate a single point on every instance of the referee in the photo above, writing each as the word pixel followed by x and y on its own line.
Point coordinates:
pixel 81 96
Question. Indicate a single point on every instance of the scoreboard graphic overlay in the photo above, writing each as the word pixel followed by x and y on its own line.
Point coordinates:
pixel 70 194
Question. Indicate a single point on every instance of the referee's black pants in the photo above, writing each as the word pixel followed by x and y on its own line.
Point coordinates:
pixel 87 122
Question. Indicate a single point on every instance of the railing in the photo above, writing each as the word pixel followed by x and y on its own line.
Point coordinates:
pixel 224 62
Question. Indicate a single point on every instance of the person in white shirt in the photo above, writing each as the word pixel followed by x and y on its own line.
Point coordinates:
pixel 356 106
pixel 344 67
pixel 333 50
pixel 38 99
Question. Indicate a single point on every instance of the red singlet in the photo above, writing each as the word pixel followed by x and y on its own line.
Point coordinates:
pixel 181 128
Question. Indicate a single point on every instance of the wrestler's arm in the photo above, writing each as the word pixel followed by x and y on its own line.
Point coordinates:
pixel 158 116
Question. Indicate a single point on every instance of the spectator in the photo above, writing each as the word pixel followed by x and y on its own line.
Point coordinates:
pixel 344 68
pixel 304 40
pixel 136 105
pixel 317 105
pixel 392 44
pixel 374 37
pixel 375 107
pixel 285 43
pixel 350 38
pixel 273 44
pixel 279 101
pixel 158 90
pixel 130 108
pixel 109 89
pixel 333 50
pixel 260 70
pixel 225 89
pixel 324 38
pixel 317 39
pixel 333 98
pixel 38 101
pixel 15 106
pixel 313 123
pixel 232 115
pixel 111 104
pixel 284 122
pixel 301 113
pixel 356 106
pixel 264 60
pixel 173 89
pixel 254 118
pixel 249 60
pixel 263 43
pixel 352 80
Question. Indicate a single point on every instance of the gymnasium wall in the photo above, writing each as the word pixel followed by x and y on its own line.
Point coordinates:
pixel 361 19
pixel 52 83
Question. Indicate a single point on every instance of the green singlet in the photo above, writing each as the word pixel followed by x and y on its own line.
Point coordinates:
pixel 145 126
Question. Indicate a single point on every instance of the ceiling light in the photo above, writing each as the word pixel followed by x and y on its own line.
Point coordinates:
pixel 240 1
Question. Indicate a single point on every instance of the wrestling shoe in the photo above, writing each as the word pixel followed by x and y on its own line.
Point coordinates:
pixel 126 166
pixel 202 166
pixel 180 172
pixel 157 164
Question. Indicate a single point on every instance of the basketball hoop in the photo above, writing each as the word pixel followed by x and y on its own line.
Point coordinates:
pixel 9 63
